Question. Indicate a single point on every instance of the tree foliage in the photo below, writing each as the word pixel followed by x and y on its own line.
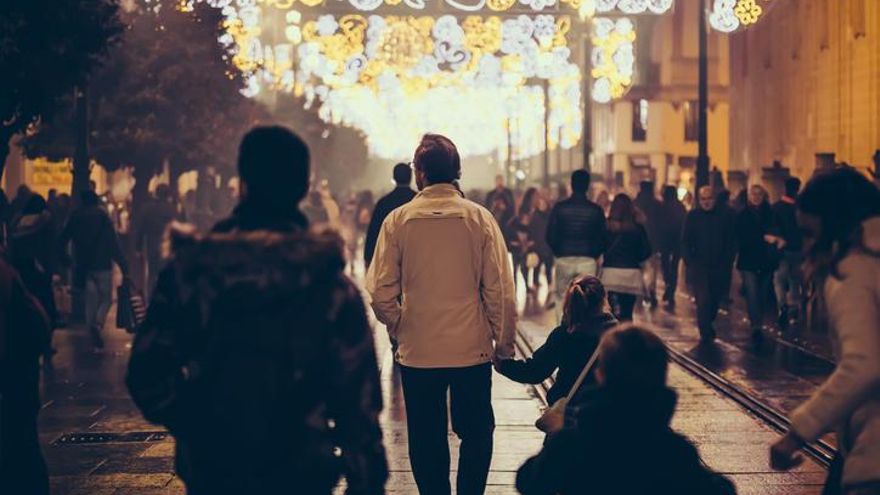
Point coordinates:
pixel 167 93
pixel 47 47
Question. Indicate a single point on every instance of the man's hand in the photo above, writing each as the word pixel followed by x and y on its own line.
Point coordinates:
pixel 784 454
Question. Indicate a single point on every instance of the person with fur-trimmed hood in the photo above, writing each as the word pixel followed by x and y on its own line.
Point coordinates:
pixel 256 352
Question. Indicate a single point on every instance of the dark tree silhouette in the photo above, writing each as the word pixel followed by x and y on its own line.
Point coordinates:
pixel 47 48
pixel 168 93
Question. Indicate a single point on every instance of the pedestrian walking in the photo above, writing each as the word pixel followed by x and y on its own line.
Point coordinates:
pixel 620 441
pixel 96 248
pixel 501 193
pixel 154 218
pixel 24 336
pixel 708 248
pixel 538 227
pixel 629 249
pixel 255 331
pixel 577 233
pixel 787 281
pixel 586 317
pixel 839 212
pixel 757 254
pixel 441 283
pixel 401 195
pixel 32 238
pixel 650 210
pixel 669 228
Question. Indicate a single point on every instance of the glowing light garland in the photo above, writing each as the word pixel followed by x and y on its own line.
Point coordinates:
pixel 729 15
pixel 613 58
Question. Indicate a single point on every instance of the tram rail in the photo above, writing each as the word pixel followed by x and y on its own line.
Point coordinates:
pixel 821 452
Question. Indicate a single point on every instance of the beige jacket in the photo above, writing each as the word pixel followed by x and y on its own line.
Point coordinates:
pixel 441 282
pixel 850 399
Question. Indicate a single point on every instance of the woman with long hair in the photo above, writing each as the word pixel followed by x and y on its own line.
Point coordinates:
pixel 628 248
pixel 839 214
pixel 522 242
pixel 539 223
pixel 570 345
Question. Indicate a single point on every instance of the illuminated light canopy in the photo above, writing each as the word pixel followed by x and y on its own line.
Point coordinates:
pixel 729 15
pixel 633 6
pixel 613 58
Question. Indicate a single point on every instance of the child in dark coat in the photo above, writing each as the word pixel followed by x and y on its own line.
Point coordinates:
pixel 620 441
pixel 569 346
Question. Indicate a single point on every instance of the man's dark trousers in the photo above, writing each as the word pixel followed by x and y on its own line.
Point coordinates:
pixel 470 401
pixel 709 286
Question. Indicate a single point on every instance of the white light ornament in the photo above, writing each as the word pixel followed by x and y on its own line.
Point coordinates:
pixel 613 58
pixel 728 16
pixel 634 6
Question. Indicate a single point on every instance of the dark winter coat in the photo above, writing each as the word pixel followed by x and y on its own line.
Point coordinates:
pixel 786 226
pixel 651 208
pixel 155 216
pixel 621 444
pixel 564 350
pixel 254 342
pixel 577 227
pixel 709 239
pixel 400 196
pixel 755 254
pixel 669 226
pixel 538 227
pixel 95 243
pixel 627 248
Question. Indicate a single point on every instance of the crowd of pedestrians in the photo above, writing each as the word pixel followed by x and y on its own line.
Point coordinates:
pixel 442 272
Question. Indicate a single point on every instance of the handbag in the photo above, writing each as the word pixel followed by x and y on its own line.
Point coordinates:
pixel 131 310
pixel 555 414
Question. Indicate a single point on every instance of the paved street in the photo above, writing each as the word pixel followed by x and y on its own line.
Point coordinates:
pixel 96 443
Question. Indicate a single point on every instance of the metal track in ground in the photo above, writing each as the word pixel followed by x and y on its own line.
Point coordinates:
pixel 820 451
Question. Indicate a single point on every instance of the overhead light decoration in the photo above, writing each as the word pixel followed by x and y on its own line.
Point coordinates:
pixel 613 57
pixel 728 16
pixel 478 78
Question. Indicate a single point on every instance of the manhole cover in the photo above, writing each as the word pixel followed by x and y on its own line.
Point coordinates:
pixel 88 437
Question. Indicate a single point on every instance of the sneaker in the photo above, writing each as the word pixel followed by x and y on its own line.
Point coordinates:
pixel 97 340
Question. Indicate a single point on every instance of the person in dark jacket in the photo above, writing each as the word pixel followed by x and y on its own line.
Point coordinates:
pixel 577 234
pixel 788 280
pixel 95 248
pixel 24 335
pixel 669 227
pixel 620 441
pixel 538 226
pixel 501 193
pixel 32 239
pixel 758 254
pixel 729 211
pixel 401 195
pixel 708 249
pixel 155 217
pixel 570 345
pixel 650 210
pixel 628 248
pixel 256 332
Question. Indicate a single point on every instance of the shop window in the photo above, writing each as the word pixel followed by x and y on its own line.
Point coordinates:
pixel 640 121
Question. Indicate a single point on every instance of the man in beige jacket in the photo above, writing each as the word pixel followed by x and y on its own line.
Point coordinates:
pixel 441 283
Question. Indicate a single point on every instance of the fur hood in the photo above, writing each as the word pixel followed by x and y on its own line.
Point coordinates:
pixel 259 259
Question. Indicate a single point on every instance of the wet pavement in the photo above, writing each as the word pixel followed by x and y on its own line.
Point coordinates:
pixel 96 443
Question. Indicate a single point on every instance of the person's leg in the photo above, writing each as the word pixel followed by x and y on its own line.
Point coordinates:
pixel 625 304
pixel 424 392
pixel 705 305
pixel 91 309
pixel 104 284
pixel 652 269
pixel 752 286
pixel 672 284
pixel 781 287
pixel 474 422
pixel 24 470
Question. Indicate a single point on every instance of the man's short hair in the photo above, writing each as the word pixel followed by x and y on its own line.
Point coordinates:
pixel 402 174
pixel 437 158
pixel 792 187
pixel 633 357
pixel 580 181
pixel 274 163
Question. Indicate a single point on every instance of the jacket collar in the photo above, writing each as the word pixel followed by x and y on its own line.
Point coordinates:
pixel 440 191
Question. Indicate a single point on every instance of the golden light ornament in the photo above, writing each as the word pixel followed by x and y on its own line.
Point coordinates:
pixel 748 11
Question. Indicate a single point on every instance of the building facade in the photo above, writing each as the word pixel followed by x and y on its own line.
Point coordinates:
pixel 806 88
pixel 651 133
